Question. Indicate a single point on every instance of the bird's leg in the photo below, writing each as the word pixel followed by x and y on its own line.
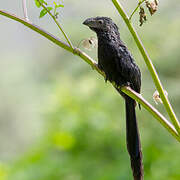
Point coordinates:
pixel 119 86
pixel 105 79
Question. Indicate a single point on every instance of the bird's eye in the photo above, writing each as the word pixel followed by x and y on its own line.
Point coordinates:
pixel 100 21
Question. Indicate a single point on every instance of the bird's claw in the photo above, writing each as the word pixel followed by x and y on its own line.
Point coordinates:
pixel 76 51
pixel 105 79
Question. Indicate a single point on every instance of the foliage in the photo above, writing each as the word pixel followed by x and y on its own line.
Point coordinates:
pixel 44 11
pixel 84 138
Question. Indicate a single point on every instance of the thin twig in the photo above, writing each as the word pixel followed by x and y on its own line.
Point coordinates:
pixel 25 10
pixel 150 65
pixel 58 24
pixel 139 4
pixel 93 64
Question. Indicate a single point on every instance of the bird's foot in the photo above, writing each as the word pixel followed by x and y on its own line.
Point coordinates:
pixel 76 51
pixel 105 79
pixel 123 85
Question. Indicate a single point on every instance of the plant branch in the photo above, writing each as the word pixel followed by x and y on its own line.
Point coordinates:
pixel 57 23
pixel 150 66
pixel 93 64
pixel 152 110
pixel 139 4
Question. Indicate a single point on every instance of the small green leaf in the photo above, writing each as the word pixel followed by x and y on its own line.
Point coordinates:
pixel 44 12
pixel 45 2
pixel 60 5
pixel 49 8
pixel 38 4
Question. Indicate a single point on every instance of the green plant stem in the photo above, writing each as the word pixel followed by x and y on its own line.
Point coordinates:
pixel 57 23
pixel 150 66
pixel 139 4
pixel 93 64
pixel 151 109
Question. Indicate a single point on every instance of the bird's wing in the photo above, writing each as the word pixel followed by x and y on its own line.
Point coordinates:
pixel 127 68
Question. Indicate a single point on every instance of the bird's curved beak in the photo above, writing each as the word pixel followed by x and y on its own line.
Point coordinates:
pixel 90 22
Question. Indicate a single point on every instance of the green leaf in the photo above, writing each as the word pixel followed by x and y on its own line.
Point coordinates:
pixel 49 8
pixel 38 4
pixel 45 2
pixel 60 5
pixel 44 12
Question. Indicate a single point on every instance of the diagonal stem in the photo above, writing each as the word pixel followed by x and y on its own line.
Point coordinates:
pixel 151 109
pixel 139 4
pixel 150 66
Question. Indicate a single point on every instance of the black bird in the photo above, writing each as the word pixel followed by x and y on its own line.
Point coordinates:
pixel 120 68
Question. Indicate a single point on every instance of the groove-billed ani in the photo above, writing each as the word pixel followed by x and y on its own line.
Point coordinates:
pixel 119 67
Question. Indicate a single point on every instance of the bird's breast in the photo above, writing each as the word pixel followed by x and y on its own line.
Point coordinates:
pixel 106 60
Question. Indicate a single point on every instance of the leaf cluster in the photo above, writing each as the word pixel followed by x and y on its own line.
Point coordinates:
pixel 55 6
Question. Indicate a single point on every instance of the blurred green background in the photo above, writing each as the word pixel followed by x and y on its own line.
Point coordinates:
pixel 59 120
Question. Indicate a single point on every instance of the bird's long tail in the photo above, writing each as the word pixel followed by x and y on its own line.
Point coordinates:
pixel 133 140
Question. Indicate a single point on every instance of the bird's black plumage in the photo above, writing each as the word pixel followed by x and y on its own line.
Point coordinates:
pixel 119 67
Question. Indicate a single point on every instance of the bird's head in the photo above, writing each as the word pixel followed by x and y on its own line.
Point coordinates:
pixel 101 24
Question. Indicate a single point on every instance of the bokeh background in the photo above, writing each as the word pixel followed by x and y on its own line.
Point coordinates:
pixel 59 120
